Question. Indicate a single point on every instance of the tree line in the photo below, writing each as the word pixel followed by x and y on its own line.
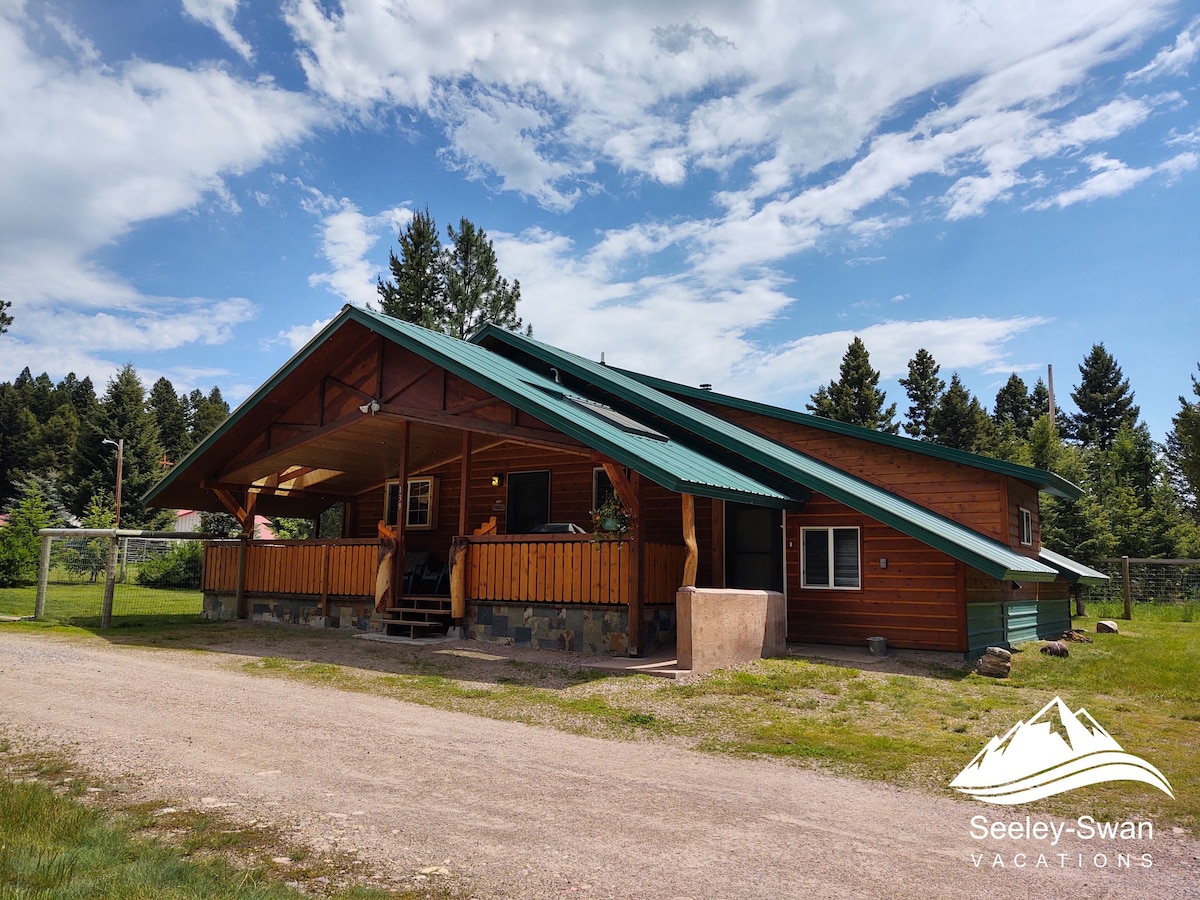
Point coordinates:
pixel 58 458
pixel 1139 497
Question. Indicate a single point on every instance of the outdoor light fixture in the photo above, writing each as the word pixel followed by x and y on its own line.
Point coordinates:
pixel 371 408
pixel 498 479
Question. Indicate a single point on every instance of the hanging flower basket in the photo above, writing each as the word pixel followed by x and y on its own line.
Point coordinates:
pixel 611 521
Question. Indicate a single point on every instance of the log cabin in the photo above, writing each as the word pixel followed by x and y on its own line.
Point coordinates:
pixel 469 477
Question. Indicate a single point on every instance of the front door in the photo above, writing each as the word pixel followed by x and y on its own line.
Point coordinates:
pixel 528 501
pixel 753 547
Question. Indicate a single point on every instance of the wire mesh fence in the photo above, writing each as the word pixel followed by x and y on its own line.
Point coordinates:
pixel 1151 582
pixel 155 578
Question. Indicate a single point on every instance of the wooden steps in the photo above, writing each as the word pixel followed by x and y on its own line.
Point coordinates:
pixel 416 617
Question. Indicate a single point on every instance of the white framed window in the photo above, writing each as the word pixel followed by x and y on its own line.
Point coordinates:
pixel 1026 527
pixel 830 559
pixel 420 506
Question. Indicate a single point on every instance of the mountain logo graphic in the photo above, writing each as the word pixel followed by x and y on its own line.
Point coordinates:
pixel 1053 752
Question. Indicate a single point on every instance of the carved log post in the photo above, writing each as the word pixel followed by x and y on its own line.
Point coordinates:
pixel 458 579
pixel 692 563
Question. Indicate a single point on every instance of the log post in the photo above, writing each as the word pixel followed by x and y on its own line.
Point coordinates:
pixel 692 563
pixel 241 610
pixel 464 477
pixel 1128 589
pixel 325 579
pixel 458 579
pixel 39 604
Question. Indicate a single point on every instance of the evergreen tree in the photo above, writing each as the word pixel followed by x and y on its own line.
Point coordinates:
pixel 1183 448
pixel 924 389
pixel 1039 400
pixel 18 439
pixel 1104 400
pixel 960 421
pixel 855 398
pixel 453 289
pixel 1013 406
pixel 476 292
pixel 20 543
pixel 417 290
pixel 171 413
pixel 206 414
pixel 122 414
pixel 5 319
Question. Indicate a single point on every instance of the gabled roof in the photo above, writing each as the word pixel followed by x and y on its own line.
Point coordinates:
pixel 669 463
pixel 1045 481
pixel 977 550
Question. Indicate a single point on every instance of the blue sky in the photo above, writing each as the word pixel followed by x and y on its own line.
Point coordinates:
pixel 706 191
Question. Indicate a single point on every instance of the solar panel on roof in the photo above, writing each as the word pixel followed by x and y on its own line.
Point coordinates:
pixel 622 421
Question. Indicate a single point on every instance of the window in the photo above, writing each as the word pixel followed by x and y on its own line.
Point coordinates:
pixel 602 488
pixel 831 558
pixel 420 508
pixel 1026 527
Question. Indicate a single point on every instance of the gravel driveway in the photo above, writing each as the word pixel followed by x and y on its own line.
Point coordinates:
pixel 518 811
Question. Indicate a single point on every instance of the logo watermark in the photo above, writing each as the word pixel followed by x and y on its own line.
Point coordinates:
pixel 1054 751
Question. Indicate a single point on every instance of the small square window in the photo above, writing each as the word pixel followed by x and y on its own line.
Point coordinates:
pixel 420 507
pixel 831 558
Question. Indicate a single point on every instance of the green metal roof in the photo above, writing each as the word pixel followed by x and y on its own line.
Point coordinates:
pixel 669 463
pixel 1074 572
pixel 977 550
pixel 1046 481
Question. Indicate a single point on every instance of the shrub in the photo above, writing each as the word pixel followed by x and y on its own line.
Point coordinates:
pixel 179 568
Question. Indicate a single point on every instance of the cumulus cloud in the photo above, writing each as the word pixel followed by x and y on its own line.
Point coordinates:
pixel 1111 177
pixel 92 150
pixel 1172 60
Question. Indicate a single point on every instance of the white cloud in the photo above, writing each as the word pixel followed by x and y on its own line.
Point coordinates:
pixel 298 335
pixel 1173 60
pixel 346 237
pixel 1112 178
pixel 219 15
pixel 93 150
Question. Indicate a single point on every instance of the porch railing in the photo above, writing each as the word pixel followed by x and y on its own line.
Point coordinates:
pixel 338 568
pixel 567 569
pixel 518 568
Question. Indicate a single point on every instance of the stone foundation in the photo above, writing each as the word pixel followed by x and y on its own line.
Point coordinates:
pixel 587 629
pixel 291 611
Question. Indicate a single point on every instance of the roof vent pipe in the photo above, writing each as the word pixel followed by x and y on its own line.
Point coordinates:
pixel 706 386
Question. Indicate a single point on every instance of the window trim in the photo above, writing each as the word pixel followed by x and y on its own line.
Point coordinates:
pixel 389 507
pixel 1025 526
pixel 830 559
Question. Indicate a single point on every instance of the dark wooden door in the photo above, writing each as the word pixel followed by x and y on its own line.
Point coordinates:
pixel 528 501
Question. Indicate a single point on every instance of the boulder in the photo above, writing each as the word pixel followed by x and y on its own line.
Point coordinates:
pixel 1056 648
pixel 1106 626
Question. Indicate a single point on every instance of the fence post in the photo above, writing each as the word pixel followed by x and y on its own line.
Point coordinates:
pixel 110 581
pixel 39 605
pixel 1128 589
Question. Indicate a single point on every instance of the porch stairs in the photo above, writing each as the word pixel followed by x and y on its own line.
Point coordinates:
pixel 416 617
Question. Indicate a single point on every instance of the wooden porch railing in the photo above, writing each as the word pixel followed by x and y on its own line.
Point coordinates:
pixel 566 569
pixel 519 568
pixel 339 568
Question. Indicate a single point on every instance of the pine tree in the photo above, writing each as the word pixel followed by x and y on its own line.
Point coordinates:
pixel 205 413
pixel 5 319
pixel 453 289
pixel 1183 447
pixel 122 414
pixel 960 421
pixel 1039 400
pixel 20 543
pixel 1104 400
pixel 476 292
pixel 924 389
pixel 1013 406
pixel 417 290
pixel 855 397
pixel 171 413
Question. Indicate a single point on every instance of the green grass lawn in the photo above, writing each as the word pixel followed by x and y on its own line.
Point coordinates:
pixel 80 603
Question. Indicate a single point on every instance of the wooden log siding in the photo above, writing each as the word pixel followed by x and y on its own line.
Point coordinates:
pixel 334 568
pixel 566 569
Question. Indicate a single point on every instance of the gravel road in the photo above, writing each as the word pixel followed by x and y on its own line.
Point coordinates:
pixel 516 811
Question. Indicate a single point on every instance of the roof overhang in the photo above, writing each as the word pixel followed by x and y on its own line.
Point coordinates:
pixel 1074 572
